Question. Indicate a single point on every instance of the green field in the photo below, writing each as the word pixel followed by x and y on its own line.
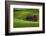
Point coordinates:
pixel 19 16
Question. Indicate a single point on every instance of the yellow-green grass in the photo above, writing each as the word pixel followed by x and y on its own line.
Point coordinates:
pixel 23 23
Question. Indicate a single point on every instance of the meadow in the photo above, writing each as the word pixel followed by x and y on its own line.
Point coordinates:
pixel 19 18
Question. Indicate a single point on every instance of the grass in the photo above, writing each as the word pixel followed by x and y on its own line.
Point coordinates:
pixel 22 23
pixel 21 14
